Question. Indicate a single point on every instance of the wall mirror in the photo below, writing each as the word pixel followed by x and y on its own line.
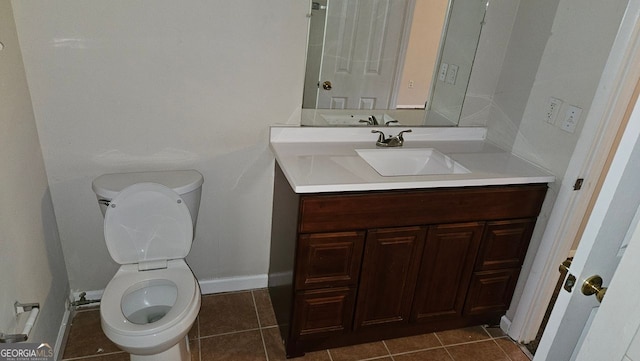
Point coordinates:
pixel 389 62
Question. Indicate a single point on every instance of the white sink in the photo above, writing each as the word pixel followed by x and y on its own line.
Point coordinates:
pixel 410 161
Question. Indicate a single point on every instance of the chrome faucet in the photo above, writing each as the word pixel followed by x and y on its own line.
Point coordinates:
pixel 391 141
pixel 371 120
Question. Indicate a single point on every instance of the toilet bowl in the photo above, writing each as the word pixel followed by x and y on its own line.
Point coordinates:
pixel 151 303
pixel 150 312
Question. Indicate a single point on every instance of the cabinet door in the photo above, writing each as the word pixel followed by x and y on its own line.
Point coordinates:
pixel 389 272
pixel 328 259
pixel 446 269
pixel 505 244
pixel 491 291
pixel 320 313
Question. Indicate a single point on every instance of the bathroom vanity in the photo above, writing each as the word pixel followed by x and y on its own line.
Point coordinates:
pixel 357 257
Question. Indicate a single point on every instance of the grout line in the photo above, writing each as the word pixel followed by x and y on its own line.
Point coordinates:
pixel 329 353
pixel 388 351
pixel 503 350
pixel 416 351
pixel 485 331
pixel 230 333
pixel 438 338
pixel 93 356
pixel 443 346
pixel 255 308
pixel 469 342
pixel 198 339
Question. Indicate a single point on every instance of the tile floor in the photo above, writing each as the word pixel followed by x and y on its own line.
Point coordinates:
pixel 241 326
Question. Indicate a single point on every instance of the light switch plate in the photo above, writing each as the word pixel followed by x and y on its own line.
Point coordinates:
pixel 571 118
pixel 452 74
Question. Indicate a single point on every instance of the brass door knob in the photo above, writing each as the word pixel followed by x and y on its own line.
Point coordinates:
pixel 593 286
pixel 326 85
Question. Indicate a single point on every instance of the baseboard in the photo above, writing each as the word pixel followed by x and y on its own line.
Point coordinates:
pixel 230 284
pixel 505 324
pixel 216 285
pixel 63 333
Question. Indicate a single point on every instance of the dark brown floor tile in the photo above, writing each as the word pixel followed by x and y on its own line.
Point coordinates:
pixel 462 335
pixel 359 352
pixel 495 332
pixel 86 337
pixel 241 346
pixel 194 346
pixel 264 307
pixel 511 349
pixel 193 332
pixel 438 354
pixel 413 343
pixel 227 312
pixel 275 348
pixel 477 351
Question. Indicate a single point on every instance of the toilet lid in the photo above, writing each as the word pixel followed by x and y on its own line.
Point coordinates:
pixel 147 222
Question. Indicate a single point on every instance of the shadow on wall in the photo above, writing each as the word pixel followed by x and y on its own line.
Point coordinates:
pixel 53 309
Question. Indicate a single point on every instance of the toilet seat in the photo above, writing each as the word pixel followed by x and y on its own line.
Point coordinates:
pixel 147 223
pixel 188 300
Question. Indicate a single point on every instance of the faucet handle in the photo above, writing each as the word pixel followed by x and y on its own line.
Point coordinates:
pixel 399 136
pixel 381 135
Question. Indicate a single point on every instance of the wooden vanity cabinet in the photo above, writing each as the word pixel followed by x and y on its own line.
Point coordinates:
pixel 355 267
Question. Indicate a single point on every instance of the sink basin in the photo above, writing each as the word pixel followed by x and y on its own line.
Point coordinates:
pixel 410 161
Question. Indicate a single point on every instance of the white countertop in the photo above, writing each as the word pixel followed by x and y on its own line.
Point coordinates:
pixel 317 160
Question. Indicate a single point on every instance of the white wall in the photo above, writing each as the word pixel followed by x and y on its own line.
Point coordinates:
pixel 129 85
pixel 570 68
pixel 31 263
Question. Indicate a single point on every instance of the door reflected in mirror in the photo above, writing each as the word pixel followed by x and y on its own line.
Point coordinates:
pixel 378 57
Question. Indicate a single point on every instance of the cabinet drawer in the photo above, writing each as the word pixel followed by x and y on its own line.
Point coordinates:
pixel 350 211
pixel 328 259
pixel 320 313
pixel 491 291
pixel 504 244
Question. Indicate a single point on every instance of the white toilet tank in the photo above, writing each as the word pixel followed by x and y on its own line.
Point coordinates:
pixel 187 183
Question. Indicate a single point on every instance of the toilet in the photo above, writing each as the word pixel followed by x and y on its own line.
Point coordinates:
pixel 152 301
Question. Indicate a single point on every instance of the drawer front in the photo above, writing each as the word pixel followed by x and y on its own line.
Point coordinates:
pixel 491 291
pixel 321 313
pixel 505 244
pixel 349 211
pixel 328 259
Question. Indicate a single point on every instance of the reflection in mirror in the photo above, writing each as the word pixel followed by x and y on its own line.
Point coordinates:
pixel 377 58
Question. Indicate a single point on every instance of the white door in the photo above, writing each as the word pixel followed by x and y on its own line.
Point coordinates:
pixel 603 243
pixel 361 50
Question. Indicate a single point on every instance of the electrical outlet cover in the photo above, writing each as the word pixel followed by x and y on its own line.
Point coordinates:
pixel 552 109
pixel 442 74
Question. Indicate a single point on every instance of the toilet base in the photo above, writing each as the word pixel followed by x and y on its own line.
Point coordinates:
pixel 179 352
